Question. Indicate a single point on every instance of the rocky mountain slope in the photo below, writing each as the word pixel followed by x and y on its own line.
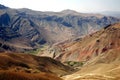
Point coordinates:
pixel 104 41
pixel 105 63
pixel 24 29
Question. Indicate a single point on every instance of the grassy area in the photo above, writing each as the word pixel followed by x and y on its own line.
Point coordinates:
pixel 74 63
pixel 34 51
pixel 37 50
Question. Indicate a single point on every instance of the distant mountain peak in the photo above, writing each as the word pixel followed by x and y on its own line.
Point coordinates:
pixel 68 11
pixel 3 7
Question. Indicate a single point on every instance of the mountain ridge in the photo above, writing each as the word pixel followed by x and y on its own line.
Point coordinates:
pixel 3 7
pixel 31 29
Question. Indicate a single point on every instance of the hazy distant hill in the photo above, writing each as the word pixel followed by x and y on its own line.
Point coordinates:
pixel 24 29
pixel 111 13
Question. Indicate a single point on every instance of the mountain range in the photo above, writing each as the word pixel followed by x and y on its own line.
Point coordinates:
pixel 25 29
pixel 82 46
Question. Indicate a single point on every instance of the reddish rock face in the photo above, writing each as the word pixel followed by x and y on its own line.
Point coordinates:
pixel 102 42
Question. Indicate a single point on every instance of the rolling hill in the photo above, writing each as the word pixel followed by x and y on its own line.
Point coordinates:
pixel 18 62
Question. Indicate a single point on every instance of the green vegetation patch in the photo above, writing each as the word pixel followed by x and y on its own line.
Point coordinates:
pixel 74 63
pixel 37 50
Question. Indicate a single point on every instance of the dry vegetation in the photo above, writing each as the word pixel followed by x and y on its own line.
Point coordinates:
pixel 8 75
pixel 19 66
